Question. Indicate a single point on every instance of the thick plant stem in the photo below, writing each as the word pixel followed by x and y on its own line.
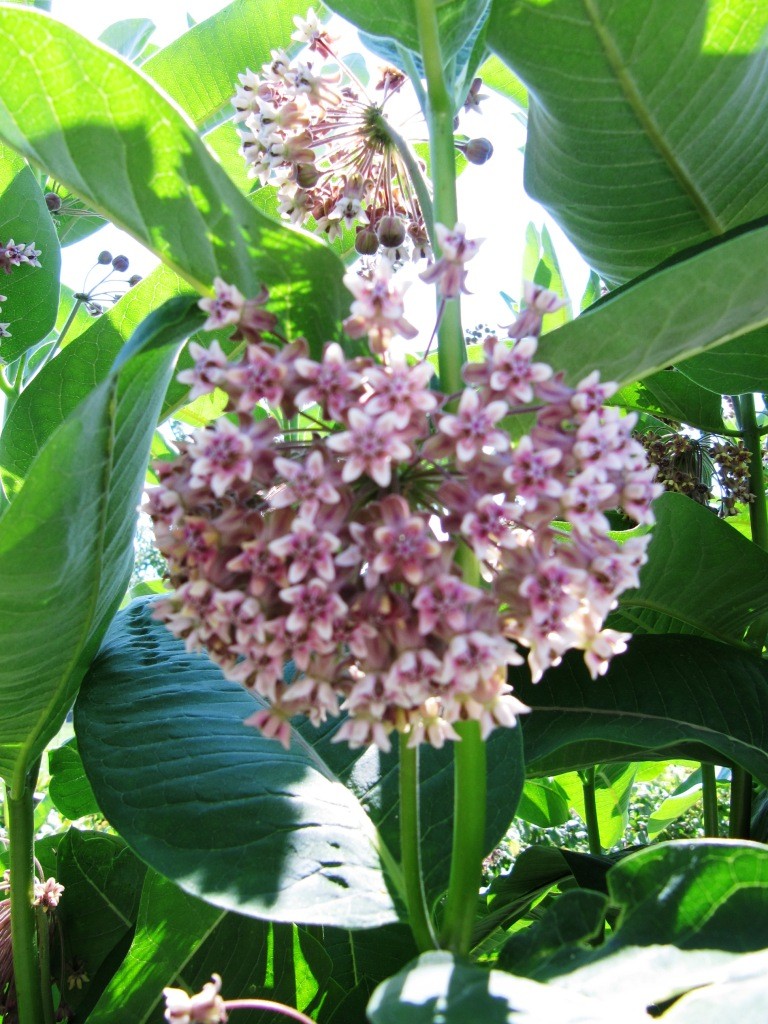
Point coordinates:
pixel 709 797
pixel 26 964
pixel 468 848
pixel 451 351
pixel 746 417
pixel 410 847
pixel 590 810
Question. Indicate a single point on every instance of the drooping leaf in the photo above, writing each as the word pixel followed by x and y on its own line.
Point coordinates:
pixel 66 541
pixel 199 69
pixel 700 301
pixel 69 788
pixel 702 577
pixel 117 142
pixel 666 697
pixel 32 293
pixel 629 179
pixel 349 796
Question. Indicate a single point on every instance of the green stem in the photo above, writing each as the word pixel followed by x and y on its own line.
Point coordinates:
pixel 746 418
pixel 590 810
pixel 468 847
pixel 414 172
pixel 409 66
pixel 709 797
pixel 451 352
pixel 63 332
pixel 26 964
pixel 410 847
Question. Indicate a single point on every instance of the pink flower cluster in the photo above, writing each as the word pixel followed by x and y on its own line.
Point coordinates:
pixel 327 535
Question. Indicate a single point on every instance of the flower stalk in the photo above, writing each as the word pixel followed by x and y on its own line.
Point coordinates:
pixel 590 811
pixel 410 847
pixel 26 952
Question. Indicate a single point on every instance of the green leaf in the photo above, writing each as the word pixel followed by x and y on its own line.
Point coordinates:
pixel 69 378
pixel 703 299
pixel 673 395
pixel 351 796
pixel 69 788
pixel 32 292
pixel 544 802
pixel 498 77
pixel 701 577
pixel 666 697
pixel 199 69
pixel 613 788
pixel 128 37
pixel 458 21
pixel 179 937
pixel 123 148
pixel 629 179
pixel 102 882
pixel 66 541
pixel 739 367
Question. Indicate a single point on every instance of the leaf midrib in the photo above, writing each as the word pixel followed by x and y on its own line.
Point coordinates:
pixel 648 122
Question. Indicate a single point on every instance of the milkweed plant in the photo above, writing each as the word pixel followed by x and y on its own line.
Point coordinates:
pixel 421 584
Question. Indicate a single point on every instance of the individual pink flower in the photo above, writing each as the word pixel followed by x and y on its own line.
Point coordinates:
pixel 208 371
pixel 378 310
pixel 223 455
pixel 47 894
pixel 370 445
pixel 444 603
pixel 448 273
pixel 307 481
pixel 308 550
pixel 402 390
pixel 332 383
pixel 225 308
pixel 476 656
pixel 530 473
pixel 513 373
pixel 313 605
pixel 258 377
pixel 472 427
pixel 404 546
pixel 537 302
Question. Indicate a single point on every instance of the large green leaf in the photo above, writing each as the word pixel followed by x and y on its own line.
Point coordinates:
pixel 342 872
pixel 613 788
pixel 646 126
pixel 32 292
pixel 69 788
pixel 739 367
pixel 666 696
pixel 199 69
pixel 69 378
pixel 701 577
pixel 692 915
pixel 180 937
pixel 117 142
pixel 672 395
pixel 703 299
pixel 66 541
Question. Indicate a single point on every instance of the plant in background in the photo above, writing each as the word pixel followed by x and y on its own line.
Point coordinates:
pixel 379 541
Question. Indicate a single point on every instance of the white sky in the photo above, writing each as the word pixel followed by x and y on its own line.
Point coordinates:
pixel 492 202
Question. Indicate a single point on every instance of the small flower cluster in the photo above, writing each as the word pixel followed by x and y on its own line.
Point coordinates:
pixel 204 1007
pixel 16 254
pixel 325 144
pixel 704 468
pixel 335 547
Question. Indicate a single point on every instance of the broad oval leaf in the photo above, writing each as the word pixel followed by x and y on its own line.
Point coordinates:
pixel 116 141
pixel 32 292
pixel 672 395
pixel 350 795
pixel 701 300
pixel 66 541
pixel 667 696
pixel 646 130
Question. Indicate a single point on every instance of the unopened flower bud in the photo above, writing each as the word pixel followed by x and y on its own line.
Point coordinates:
pixel 120 263
pixel 477 151
pixel 104 257
pixel 391 231
pixel 366 242
pixel 53 202
pixel 132 281
pixel 307 175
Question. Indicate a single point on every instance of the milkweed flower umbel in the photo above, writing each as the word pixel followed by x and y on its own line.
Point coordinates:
pixel 334 548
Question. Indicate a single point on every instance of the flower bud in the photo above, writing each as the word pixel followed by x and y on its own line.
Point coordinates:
pixel 391 231
pixel 120 263
pixel 477 151
pixel 53 202
pixel 307 175
pixel 366 242
pixel 104 257
pixel 132 281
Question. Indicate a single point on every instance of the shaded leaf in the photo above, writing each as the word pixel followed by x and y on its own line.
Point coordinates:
pixel 736 368
pixel 673 395
pixel 69 788
pixel 544 802
pixel 122 147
